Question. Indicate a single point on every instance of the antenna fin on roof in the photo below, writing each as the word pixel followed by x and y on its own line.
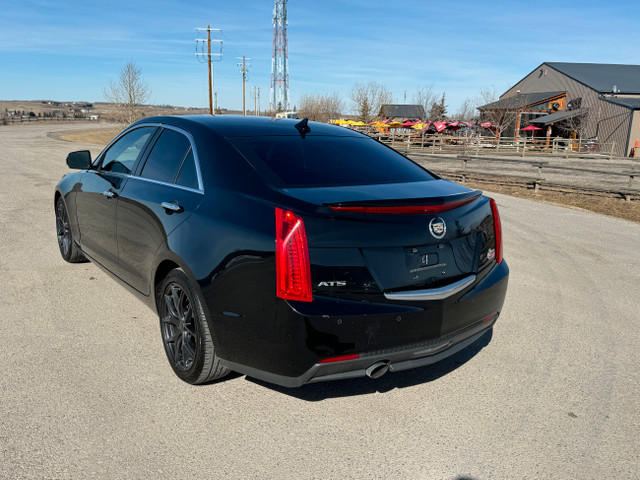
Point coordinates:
pixel 302 127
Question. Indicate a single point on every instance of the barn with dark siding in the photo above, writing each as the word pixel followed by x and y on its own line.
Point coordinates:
pixel 402 112
pixel 587 100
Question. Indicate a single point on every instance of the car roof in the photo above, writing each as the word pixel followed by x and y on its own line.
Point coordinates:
pixel 229 126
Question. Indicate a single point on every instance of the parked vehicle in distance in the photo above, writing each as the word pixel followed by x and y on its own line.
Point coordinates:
pixel 287 250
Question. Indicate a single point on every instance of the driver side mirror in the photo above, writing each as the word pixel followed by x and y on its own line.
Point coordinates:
pixel 79 160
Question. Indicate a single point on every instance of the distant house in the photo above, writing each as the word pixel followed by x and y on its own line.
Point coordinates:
pixel 595 100
pixel 402 112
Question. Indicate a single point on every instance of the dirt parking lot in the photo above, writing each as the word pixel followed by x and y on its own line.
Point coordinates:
pixel 86 391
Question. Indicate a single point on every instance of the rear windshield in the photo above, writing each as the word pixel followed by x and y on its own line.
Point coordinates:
pixel 291 161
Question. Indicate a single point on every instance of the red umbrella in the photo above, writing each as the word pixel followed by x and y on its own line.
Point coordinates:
pixel 408 124
pixel 439 126
pixel 530 128
pixel 458 124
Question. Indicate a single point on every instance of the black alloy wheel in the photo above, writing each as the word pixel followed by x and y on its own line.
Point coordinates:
pixel 179 328
pixel 62 229
pixel 187 339
pixel 68 249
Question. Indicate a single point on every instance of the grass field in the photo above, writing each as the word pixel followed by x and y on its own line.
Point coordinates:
pixel 97 136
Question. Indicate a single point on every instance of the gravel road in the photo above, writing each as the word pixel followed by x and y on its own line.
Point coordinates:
pixel 86 391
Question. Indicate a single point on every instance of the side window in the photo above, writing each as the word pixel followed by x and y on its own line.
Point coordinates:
pixel 166 157
pixel 123 154
pixel 187 177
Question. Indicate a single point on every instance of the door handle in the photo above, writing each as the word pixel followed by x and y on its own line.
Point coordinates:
pixel 171 207
pixel 110 194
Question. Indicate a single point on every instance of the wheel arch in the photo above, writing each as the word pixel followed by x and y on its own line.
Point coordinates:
pixel 165 264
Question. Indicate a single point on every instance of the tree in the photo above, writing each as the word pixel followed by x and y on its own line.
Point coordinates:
pixel 368 99
pixel 424 96
pixel 466 111
pixel 438 109
pixel 503 117
pixel 128 93
pixel 320 108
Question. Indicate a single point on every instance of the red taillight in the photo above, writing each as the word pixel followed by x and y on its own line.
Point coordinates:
pixel 497 228
pixel 340 359
pixel 293 270
pixel 410 209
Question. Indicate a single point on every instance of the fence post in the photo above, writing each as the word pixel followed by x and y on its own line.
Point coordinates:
pixel 613 146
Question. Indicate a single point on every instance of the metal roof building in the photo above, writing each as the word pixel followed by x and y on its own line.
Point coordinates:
pixel 605 97
pixel 402 111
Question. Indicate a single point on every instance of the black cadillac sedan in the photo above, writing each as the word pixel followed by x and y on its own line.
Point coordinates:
pixel 287 250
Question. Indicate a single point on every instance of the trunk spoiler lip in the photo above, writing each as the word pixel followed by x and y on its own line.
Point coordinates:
pixel 408 205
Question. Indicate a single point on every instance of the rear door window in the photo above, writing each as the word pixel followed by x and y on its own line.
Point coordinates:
pixel 188 177
pixel 322 161
pixel 166 157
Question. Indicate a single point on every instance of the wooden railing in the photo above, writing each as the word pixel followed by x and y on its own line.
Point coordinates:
pixel 405 140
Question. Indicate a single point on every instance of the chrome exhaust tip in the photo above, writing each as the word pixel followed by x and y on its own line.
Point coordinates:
pixel 377 370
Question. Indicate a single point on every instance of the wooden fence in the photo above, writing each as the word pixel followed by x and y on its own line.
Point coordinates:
pixel 406 141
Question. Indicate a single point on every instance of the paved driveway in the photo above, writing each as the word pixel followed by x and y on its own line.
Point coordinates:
pixel 86 392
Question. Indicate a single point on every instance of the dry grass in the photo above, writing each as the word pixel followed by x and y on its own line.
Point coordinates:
pixel 97 136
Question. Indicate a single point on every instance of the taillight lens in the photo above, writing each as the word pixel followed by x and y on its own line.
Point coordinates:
pixel 497 228
pixel 293 270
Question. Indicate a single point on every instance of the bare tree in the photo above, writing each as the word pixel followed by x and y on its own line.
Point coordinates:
pixel 320 108
pixel 504 115
pixel 488 95
pixel 424 96
pixel 466 111
pixel 129 92
pixel 368 99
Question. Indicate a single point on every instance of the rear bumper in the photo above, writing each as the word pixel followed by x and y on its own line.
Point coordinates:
pixel 396 360
pixel 402 334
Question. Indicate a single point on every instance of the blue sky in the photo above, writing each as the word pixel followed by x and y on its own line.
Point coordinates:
pixel 69 50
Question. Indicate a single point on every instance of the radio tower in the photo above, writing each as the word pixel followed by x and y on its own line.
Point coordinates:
pixel 280 59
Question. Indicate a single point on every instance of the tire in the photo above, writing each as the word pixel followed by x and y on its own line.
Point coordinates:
pixel 185 332
pixel 68 248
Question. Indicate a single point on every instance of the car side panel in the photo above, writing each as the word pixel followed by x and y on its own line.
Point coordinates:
pixel 143 226
pixel 228 245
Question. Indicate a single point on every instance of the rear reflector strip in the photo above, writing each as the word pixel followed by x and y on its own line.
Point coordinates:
pixel 409 209
pixel 490 317
pixel 340 359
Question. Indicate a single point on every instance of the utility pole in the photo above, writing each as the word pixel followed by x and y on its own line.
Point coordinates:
pixel 258 100
pixel 209 56
pixel 244 70
pixel 255 101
